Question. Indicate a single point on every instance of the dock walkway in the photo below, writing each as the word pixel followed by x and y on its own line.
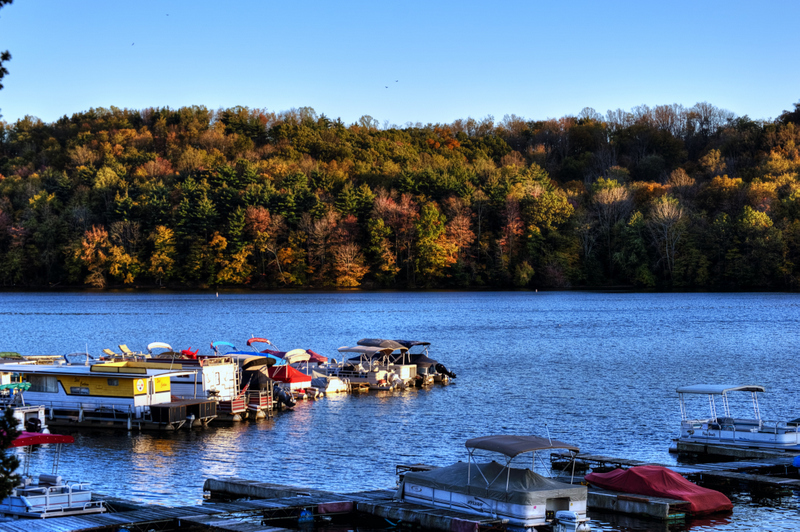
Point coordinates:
pixel 268 503
pixel 255 515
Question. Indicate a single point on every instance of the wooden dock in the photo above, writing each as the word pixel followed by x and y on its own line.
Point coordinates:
pixel 280 503
pixel 731 451
pixel 264 506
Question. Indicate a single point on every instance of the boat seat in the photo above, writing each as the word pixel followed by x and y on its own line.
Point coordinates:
pixel 109 352
pixel 50 480
pixel 125 349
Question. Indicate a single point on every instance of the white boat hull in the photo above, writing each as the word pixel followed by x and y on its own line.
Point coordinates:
pixel 743 434
pixel 518 515
pixel 51 501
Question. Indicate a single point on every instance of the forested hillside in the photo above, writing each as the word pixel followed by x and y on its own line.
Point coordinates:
pixel 666 197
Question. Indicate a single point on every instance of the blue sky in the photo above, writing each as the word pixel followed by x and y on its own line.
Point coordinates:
pixel 440 60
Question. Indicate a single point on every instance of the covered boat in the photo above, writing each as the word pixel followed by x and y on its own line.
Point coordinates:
pixel 522 497
pixel 657 481
pixel 47 495
pixel 294 379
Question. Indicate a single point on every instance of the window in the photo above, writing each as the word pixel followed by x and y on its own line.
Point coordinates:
pixel 78 390
pixel 113 382
pixel 43 383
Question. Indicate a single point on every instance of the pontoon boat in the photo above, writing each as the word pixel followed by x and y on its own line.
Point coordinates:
pixel 519 496
pixel 722 428
pixel 48 495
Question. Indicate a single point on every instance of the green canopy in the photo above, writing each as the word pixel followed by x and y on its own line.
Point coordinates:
pixel 21 386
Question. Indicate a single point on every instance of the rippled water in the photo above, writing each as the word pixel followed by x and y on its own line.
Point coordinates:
pixel 595 369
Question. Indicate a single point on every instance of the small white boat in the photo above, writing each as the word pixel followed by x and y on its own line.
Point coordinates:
pixel 520 497
pixel 720 427
pixel 30 417
pixel 328 383
pixel 47 495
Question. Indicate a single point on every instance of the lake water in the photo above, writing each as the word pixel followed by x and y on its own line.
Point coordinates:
pixel 595 369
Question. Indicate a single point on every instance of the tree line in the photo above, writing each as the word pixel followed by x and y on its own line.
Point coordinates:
pixel 667 197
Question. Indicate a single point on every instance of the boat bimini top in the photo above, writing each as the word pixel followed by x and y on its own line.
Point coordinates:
pixel 380 342
pixel 721 390
pixel 398 352
pixel 411 343
pixel 158 345
pixel 368 351
pixel 296 356
pixel 511 446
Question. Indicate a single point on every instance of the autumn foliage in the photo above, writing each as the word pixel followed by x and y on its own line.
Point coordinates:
pixel 666 197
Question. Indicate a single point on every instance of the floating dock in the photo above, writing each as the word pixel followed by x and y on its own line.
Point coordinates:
pixel 264 506
pixel 731 451
pixel 644 506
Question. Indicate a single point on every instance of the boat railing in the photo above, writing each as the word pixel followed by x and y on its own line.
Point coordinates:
pixel 116 410
pixel 734 426
pixel 32 495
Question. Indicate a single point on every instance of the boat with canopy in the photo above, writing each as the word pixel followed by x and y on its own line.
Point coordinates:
pixel 47 495
pixel 370 367
pixel 521 497
pixel 721 427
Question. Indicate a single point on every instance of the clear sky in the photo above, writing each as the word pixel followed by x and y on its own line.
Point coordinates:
pixel 400 62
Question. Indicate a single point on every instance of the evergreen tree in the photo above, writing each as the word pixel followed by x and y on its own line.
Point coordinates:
pixel 8 463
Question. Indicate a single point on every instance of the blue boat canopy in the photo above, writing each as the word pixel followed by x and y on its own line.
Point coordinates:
pixel 216 345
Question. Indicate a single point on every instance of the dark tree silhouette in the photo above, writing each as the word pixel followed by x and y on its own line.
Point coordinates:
pixel 4 56
pixel 8 463
pixel 791 116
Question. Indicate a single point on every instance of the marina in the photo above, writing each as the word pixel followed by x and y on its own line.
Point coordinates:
pixel 611 370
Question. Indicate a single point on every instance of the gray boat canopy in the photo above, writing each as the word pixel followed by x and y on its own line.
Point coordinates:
pixel 380 342
pixel 411 343
pixel 719 389
pixel 366 350
pixel 512 446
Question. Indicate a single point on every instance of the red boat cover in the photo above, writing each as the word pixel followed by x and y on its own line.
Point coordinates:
pixel 254 340
pixel 286 373
pixel 316 357
pixel 37 438
pixel 658 481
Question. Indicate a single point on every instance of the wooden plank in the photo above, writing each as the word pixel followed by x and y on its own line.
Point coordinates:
pixel 220 523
